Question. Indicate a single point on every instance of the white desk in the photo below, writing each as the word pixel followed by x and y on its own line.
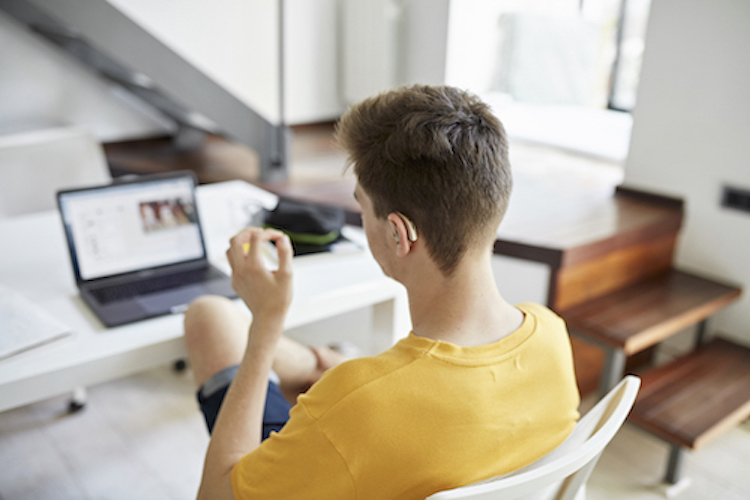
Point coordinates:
pixel 34 261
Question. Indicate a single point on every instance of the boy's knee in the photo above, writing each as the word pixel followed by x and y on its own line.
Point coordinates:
pixel 203 312
pixel 207 303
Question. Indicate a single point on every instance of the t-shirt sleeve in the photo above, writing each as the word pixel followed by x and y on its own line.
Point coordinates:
pixel 298 462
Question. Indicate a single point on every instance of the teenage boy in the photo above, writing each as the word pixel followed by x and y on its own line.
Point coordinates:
pixel 478 388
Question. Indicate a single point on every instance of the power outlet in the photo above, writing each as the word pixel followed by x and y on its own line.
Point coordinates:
pixel 735 198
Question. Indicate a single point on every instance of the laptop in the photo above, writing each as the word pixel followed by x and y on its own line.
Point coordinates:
pixel 137 247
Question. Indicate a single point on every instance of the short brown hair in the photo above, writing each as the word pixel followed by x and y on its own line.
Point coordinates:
pixel 436 154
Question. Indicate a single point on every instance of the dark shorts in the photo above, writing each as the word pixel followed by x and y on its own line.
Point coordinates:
pixel 211 395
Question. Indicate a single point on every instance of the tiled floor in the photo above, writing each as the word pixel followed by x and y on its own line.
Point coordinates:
pixel 138 438
pixel 143 438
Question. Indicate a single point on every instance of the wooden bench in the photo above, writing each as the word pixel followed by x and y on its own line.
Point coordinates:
pixel 636 317
pixel 694 399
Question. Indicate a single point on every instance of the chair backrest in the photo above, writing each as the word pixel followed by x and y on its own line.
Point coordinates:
pixel 35 165
pixel 562 473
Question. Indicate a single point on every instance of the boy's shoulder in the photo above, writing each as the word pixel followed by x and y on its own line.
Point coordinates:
pixel 359 374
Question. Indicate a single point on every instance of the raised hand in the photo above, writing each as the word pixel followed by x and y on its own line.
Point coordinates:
pixel 268 293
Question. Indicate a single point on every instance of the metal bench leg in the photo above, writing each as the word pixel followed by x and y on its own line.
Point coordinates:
pixel 674 467
pixel 674 482
pixel 700 334
pixel 614 366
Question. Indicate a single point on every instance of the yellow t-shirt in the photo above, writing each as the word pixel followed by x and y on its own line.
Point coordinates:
pixel 422 417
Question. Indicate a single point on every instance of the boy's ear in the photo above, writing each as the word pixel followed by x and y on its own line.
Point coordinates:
pixel 400 232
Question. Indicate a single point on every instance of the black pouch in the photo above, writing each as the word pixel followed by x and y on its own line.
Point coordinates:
pixel 312 227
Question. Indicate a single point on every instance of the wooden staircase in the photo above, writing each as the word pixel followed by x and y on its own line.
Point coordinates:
pixel 621 296
pixel 615 242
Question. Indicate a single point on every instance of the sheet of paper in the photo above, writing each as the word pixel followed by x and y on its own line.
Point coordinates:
pixel 24 325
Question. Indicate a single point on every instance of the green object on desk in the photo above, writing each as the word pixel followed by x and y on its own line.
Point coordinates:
pixel 312 227
pixel 310 239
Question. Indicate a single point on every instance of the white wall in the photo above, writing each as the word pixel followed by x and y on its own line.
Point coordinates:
pixel 690 133
pixel 311 61
pixel 41 87
pixel 424 35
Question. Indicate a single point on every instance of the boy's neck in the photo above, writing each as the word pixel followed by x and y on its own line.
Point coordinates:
pixel 465 309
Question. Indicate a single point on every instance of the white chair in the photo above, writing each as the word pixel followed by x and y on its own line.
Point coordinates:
pixel 35 165
pixel 561 474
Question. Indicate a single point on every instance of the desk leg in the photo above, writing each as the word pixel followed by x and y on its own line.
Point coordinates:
pixel 614 366
pixel 77 400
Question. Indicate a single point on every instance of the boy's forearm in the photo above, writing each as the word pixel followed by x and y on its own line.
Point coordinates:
pixel 238 426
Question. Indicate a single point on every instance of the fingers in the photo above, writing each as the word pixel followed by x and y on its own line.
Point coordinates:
pixel 247 248
pixel 236 252
pixel 267 293
pixel 284 251
pixel 254 253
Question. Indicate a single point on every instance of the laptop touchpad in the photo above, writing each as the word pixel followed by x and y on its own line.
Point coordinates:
pixel 167 300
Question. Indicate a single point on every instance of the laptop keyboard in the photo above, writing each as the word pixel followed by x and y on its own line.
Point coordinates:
pixel 152 285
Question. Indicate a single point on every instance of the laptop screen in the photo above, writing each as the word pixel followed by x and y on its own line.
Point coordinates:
pixel 132 226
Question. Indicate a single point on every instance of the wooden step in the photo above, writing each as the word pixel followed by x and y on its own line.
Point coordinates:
pixel 694 399
pixel 629 322
pixel 216 160
pixel 641 315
